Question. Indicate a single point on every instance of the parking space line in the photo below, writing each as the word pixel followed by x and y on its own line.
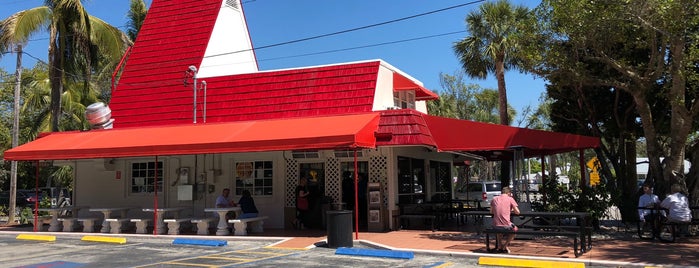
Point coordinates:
pixel 233 257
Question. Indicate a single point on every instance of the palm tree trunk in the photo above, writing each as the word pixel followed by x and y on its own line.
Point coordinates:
pixel 502 91
pixel 56 77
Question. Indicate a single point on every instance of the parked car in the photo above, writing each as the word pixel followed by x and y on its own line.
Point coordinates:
pixel 483 191
pixel 22 200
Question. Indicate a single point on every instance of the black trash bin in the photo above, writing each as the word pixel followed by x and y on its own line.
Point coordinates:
pixel 339 228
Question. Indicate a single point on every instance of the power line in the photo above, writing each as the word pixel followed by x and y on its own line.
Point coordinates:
pixel 350 30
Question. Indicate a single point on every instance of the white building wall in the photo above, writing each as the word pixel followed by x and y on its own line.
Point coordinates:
pixel 383 97
pixel 229 50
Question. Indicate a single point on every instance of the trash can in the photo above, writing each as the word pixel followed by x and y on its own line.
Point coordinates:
pixel 339 228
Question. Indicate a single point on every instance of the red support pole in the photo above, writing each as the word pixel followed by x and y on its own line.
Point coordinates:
pixel 155 201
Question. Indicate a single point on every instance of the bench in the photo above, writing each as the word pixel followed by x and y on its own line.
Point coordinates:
pixel 585 237
pixel 241 225
pixel 68 224
pixel 428 219
pixel 204 224
pixel 117 225
pixel 675 228
pixel 141 225
pixel 88 224
pixel 173 225
pixel 408 212
pixel 577 250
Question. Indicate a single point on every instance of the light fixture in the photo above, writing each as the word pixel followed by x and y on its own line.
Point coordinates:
pixel 193 71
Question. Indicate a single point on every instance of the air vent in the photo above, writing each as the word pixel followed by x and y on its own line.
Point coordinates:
pixel 99 116
pixel 233 4
pixel 298 154
pixel 340 154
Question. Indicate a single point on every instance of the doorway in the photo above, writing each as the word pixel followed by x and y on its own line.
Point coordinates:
pixel 315 173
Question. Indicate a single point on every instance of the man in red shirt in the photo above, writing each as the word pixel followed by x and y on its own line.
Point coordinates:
pixel 501 206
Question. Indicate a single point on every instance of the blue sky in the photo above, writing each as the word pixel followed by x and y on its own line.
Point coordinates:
pixel 277 21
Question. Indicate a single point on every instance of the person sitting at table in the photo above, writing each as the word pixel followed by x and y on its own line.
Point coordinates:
pixel 222 201
pixel 678 207
pixel 247 205
pixel 647 200
pixel 501 207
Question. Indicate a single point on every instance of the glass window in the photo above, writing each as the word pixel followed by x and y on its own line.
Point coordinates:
pixel 404 99
pixel 144 176
pixel 254 176
pixel 411 180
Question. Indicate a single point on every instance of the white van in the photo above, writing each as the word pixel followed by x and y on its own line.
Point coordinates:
pixel 483 191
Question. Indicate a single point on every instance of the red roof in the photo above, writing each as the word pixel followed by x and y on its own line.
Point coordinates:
pixel 408 127
pixel 174 36
pixel 250 136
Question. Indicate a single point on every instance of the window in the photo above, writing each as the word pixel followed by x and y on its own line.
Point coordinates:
pixel 254 176
pixel 404 99
pixel 144 176
pixel 411 180
pixel 440 181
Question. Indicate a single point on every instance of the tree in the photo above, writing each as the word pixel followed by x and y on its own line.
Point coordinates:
pixel 491 48
pixel 78 43
pixel 646 49
pixel 137 14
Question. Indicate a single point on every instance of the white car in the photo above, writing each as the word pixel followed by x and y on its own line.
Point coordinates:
pixel 482 191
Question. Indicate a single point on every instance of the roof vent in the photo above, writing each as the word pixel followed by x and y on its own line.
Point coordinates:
pixel 99 116
pixel 233 4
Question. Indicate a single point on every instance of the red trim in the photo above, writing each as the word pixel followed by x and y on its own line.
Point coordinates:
pixel 329 132
pixel 116 70
pixel 401 82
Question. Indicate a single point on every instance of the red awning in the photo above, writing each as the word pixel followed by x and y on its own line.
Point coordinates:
pixel 309 133
pixel 401 82
pixel 483 138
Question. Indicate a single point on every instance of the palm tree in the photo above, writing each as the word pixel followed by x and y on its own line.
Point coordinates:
pixel 491 48
pixel 79 43
pixel 137 15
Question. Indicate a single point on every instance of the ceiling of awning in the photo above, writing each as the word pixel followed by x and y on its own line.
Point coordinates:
pixel 308 133
pixel 484 139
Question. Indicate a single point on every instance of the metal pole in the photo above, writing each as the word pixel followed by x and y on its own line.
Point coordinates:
pixel 194 109
pixel 15 139
pixel 203 83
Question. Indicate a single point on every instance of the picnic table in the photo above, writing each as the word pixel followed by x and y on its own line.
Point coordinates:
pixel 159 224
pixel 55 213
pixel 107 212
pixel 222 227
pixel 550 223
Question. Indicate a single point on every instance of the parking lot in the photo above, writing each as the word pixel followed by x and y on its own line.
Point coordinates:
pixel 147 251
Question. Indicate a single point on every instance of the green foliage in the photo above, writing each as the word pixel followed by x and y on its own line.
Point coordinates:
pixel 594 200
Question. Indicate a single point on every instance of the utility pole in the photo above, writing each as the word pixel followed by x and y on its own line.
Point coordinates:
pixel 15 138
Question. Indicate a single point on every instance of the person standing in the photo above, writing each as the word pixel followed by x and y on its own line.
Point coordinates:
pixel 247 205
pixel 301 203
pixel 501 207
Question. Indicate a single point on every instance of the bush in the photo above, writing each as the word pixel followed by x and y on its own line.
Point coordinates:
pixel 594 200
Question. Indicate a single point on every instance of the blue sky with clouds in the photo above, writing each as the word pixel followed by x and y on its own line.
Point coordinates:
pixel 271 22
